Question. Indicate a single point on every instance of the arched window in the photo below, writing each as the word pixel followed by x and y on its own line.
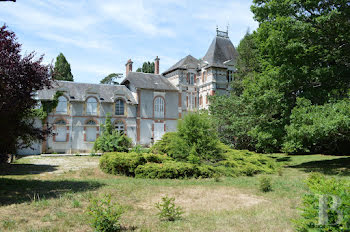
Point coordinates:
pixel 90 131
pixel 159 107
pixel 119 107
pixel 61 131
pixel 119 126
pixel 91 106
pixel 62 106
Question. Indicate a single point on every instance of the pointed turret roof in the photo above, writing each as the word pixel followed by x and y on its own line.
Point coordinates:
pixel 220 50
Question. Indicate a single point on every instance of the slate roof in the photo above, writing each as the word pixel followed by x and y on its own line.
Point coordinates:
pixel 188 62
pixel 80 91
pixel 220 50
pixel 142 80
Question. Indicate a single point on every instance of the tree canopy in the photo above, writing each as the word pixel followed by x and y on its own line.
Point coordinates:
pixel 62 70
pixel 301 50
pixel 111 79
pixel 147 67
pixel 20 78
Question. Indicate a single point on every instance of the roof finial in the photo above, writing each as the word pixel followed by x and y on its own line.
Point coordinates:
pixel 228 24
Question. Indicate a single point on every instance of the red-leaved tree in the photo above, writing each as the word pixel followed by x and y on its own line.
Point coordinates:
pixel 20 78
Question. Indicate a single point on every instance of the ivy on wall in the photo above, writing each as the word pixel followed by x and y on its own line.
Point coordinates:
pixel 47 107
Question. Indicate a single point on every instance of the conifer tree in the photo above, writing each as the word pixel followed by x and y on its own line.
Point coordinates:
pixel 62 70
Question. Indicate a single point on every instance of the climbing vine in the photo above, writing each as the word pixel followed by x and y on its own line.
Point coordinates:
pixel 47 107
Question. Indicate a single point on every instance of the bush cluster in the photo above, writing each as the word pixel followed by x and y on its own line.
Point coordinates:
pixel 331 190
pixel 193 151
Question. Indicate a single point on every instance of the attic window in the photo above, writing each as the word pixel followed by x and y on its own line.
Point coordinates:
pixel 72 97
pixel 102 99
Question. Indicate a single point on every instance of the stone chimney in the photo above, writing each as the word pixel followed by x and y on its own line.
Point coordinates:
pixel 128 67
pixel 156 65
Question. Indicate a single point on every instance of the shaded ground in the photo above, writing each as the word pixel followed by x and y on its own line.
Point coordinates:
pixel 337 166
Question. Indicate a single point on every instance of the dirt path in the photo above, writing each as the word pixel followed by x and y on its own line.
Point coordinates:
pixel 62 164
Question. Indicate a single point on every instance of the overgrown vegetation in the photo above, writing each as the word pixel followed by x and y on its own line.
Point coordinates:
pixel 111 140
pixel 105 214
pixel 168 211
pixel 193 151
pixel 299 53
pixel 335 195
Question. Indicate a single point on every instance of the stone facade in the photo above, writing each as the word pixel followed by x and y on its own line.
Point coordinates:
pixel 144 106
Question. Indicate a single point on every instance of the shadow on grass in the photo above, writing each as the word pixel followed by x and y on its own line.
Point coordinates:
pixel 14 191
pixel 25 169
pixel 340 166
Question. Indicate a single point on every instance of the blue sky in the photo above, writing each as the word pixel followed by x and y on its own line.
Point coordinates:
pixel 98 37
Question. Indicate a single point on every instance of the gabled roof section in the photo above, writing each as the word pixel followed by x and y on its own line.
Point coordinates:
pixel 188 62
pixel 220 50
pixel 148 81
pixel 80 91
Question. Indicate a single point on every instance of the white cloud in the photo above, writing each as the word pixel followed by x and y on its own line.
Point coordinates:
pixel 135 16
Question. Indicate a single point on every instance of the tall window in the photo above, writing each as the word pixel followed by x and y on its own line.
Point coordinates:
pixel 229 75
pixel 61 131
pixel 62 106
pixel 91 106
pixel 119 107
pixel 159 107
pixel 91 131
pixel 191 101
pixel 191 81
pixel 119 126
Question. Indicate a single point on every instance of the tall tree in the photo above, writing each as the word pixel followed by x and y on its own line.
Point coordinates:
pixel 147 67
pixel 111 79
pixel 20 79
pixel 62 70
pixel 304 52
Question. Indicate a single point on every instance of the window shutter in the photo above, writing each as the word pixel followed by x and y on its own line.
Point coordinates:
pixel 202 76
pixel 188 78
pixel 187 100
pixel 195 101
pixel 195 78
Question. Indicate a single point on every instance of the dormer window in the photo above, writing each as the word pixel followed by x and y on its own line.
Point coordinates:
pixel 62 106
pixel 119 107
pixel 91 106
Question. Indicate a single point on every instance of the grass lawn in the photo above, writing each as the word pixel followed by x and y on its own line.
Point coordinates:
pixel 52 194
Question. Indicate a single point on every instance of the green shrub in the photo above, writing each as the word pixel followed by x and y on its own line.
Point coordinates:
pixel 319 128
pixel 172 145
pixel 140 149
pixel 320 186
pixel 168 211
pixel 121 162
pixel 173 170
pixel 265 184
pixel 105 215
pixel 111 140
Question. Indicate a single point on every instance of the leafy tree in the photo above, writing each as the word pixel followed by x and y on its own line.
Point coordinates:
pixel 111 79
pixel 304 52
pixel 20 79
pixel 147 67
pixel 319 128
pixel 62 70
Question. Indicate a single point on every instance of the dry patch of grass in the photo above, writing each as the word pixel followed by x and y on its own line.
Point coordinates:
pixel 198 198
